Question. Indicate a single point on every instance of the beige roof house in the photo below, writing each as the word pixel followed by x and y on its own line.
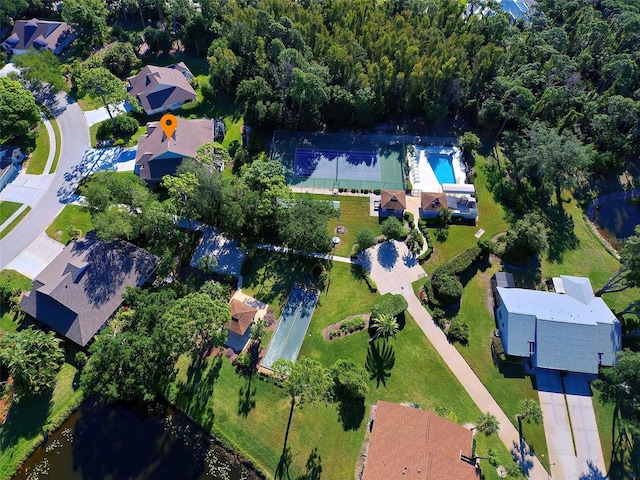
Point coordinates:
pixel 408 443
pixel 158 155
pixel 392 201
pixel 81 289
pixel 159 89
pixel 432 203
pixel 241 316
pixel 39 34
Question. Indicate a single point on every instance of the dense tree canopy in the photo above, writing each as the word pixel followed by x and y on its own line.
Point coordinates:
pixel 39 68
pixel 33 358
pixel 18 110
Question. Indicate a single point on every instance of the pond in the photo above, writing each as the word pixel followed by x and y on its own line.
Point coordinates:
pixel 616 220
pixel 103 442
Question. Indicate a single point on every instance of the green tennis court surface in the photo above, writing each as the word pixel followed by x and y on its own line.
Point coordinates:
pixel 292 328
pixel 334 160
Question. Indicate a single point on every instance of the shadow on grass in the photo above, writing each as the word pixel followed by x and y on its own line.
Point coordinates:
pixel 625 452
pixel 351 413
pixel 380 360
pixel 561 236
pixel 286 458
pixel 26 419
pixel 246 397
pixel 196 393
pixel 314 467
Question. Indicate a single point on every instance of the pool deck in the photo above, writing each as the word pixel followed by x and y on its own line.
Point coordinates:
pixel 423 177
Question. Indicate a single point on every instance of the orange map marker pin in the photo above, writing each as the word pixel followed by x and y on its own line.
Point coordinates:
pixel 169 123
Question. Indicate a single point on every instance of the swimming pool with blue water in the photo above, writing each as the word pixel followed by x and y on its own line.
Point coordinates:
pixel 442 166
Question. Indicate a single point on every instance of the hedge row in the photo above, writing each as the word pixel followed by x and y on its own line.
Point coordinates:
pixel 373 288
pixel 459 263
pixel 427 236
pixel 393 305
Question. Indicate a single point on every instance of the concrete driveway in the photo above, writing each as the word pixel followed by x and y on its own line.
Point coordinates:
pixel 100 114
pixel 567 419
pixel 391 265
pixel 585 428
pixel 33 259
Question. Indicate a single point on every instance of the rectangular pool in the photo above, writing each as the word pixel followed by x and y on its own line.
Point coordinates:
pixel 442 166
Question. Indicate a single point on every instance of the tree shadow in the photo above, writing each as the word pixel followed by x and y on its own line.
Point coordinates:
pixel 387 255
pixel 26 419
pixel 286 458
pixel 593 472
pixel 380 360
pixel 561 232
pixel 246 398
pixel 625 452
pixel 351 413
pixel 197 392
pixel 314 466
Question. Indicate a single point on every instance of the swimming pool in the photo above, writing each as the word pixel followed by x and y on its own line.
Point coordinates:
pixel 442 166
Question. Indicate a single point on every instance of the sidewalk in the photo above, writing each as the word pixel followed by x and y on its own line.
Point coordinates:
pixel 323 256
pixel 52 145
pixel 508 434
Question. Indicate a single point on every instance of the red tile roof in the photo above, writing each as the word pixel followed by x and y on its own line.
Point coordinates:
pixel 432 201
pixel 408 443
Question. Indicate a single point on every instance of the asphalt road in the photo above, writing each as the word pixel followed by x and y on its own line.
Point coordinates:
pixel 75 140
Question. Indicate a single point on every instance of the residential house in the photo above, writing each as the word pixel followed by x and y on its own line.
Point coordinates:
pixel 516 9
pixel 409 443
pixel 431 204
pixel 10 160
pixel 39 34
pixel 242 316
pixel 158 155
pixel 392 203
pixel 159 89
pixel 570 329
pixel 81 289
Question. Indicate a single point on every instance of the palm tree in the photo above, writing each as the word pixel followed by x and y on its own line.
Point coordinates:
pixel 385 326
pixel 530 411
pixel 487 423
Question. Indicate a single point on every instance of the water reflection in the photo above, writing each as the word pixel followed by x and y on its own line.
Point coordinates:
pixel 102 442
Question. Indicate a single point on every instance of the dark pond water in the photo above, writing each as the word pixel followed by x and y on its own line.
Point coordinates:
pixel 617 220
pixel 102 442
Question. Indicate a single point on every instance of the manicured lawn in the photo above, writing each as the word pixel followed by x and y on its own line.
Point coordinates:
pixel 256 422
pixel 457 238
pixel 39 156
pixel 7 209
pixel 354 214
pixel 15 279
pixel 56 157
pixel 129 141
pixel 9 320
pixel 31 418
pixel 17 220
pixel 507 383
pixel 71 215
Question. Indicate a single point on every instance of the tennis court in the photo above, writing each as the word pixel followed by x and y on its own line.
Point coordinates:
pixel 334 160
pixel 292 327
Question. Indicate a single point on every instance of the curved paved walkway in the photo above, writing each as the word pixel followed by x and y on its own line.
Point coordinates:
pixel 474 387
pixel 54 190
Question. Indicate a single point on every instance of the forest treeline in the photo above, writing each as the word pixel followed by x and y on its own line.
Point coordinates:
pixel 343 64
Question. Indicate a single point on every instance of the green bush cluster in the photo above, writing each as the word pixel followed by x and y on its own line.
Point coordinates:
pixel 458 331
pixel 348 326
pixel 408 216
pixel 447 288
pixel 392 305
pixel 122 126
pixel 373 287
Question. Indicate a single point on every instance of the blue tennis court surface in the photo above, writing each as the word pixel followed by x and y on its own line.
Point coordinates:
pixel 293 325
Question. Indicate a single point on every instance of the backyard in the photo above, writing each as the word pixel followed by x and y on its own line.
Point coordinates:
pixel 251 414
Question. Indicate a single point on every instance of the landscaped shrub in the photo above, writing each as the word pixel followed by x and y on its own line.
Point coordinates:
pixel 458 331
pixel 408 216
pixel 447 288
pixel 352 325
pixel 373 287
pixel 392 228
pixel 392 305
pixel 365 238
pixel 377 191
pixel 353 190
pixel 427 253
pixel 122 126
pixel 459 263
pixel 439 317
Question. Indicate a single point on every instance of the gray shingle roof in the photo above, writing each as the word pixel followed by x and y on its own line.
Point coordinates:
pixel 155 148
pixel 155 86
pixel 82 287
pixel 39 34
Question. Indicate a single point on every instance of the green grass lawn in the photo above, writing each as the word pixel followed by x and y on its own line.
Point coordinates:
pixel 457 238
pixel 7 209
pixel 354 214
pixel 38 159
pixel 70 215
pixel 10 320
pixel 255 422
pixel 31 418
pixel 128 141
pixel 15 222
pixel 56 132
